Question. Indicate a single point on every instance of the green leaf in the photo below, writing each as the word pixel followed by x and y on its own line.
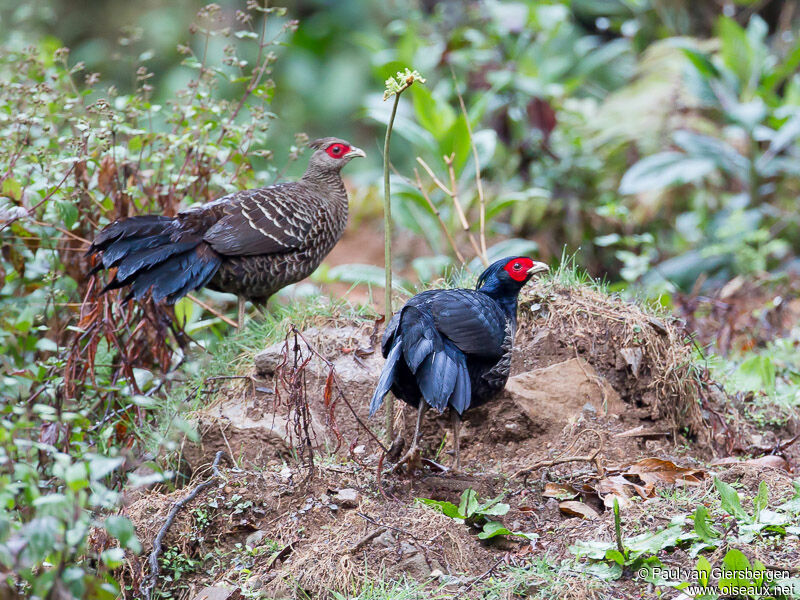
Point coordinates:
pixel 469 502
pixel 76 476
pixel 654 542
pixel 761 500
pixel 436 116
pixel 704 570
pixel 113 557
pixel 121 528
pixel 594 549
pixel 492 529
pixel 616 556
pixel 730 500
pixel 100 466
pixel 734 563
pixel 448 508
pixel 662 170
pixel 67 212
pixel 702 526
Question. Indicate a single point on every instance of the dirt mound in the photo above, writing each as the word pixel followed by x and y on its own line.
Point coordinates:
pixel 580 355
pixel 647 360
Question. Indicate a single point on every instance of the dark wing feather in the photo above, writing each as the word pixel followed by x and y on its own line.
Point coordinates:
pixel 473 321
pixel 264 221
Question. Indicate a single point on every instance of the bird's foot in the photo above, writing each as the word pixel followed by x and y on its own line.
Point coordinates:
pixel 411 459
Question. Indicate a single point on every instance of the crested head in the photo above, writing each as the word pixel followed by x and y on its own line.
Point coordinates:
pixel 330 155
pixel 507 276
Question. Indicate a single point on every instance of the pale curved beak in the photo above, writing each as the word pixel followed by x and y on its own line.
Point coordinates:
pixel 355 152
pixel 538 267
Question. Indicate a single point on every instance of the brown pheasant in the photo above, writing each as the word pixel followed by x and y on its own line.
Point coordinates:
pixel 250 243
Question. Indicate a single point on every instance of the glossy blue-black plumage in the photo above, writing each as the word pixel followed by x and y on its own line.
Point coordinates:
pixel 451 348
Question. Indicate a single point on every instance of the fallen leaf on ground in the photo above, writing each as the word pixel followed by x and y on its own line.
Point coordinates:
pixel 559 491
pixel 578 509
pixel 656 470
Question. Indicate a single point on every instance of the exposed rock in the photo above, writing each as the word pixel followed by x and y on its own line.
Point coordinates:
pixel 254 539
pixel 348 498
pixel 218 592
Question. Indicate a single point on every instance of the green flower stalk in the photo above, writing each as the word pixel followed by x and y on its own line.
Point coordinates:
pixel 394 86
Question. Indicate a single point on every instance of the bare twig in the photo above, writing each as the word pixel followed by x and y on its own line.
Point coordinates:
pixel 435 210
pixel 562 459
pixel 367 539
pixel 210 309
pixel 452 192
pixel 147 588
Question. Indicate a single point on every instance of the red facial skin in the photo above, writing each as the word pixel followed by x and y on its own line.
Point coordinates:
pixel 517 269
pixel 337 150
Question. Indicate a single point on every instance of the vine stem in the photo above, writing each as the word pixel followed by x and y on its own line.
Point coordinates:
pixel 387 257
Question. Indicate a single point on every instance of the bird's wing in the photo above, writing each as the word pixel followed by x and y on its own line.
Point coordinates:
pixel 471 320
pixel 262 221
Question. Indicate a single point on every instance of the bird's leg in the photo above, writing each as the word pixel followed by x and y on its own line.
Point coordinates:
pixel 241 313
pixel 413 451
pixel 455 423
pixel 455 420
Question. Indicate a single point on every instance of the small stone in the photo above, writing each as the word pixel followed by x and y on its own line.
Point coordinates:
pixel 385 540
pixel 361 449
pixel 286 473
pixel 437 574
pixel 254 539
pixel 333 507
pixel 325 499
pixel 348 498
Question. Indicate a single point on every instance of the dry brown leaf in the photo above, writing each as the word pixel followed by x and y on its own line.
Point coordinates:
pixel 657 470
pixel 573 508
pixel 617 485
pixel 559 491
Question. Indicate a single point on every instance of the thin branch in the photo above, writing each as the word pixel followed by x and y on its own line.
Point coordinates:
pixel 560 460
pixel 435 210
pixel 464 223
pixel 213 311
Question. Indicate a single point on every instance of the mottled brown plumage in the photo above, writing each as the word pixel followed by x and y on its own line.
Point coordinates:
pixel 250 243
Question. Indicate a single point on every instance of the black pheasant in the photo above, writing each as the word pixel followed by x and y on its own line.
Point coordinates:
pixel 250 243
pixel 452 348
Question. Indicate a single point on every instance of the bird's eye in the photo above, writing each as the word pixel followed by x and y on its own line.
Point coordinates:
pixel 337 150
pixel 517 266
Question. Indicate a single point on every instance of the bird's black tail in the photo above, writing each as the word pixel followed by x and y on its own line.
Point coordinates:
pixel 438 368
pixel 155 252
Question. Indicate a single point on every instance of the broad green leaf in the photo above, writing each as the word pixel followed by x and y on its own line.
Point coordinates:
pixel 121 528
pixel 616 556
pixel 735 563
pixel 761 500
pixel 469 502
pixel 492 529
pixel 662 170
pixel 594 549
pixel 725 156
pixel 67 212
pixel 704 570
pixel 113 557
pixel 654 542
pixel 702 526
pixel 448 508
pixel 100 466
pixel 730 500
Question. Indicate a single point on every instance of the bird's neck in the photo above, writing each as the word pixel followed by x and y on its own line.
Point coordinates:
pixel 506 301
pixel 322 177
